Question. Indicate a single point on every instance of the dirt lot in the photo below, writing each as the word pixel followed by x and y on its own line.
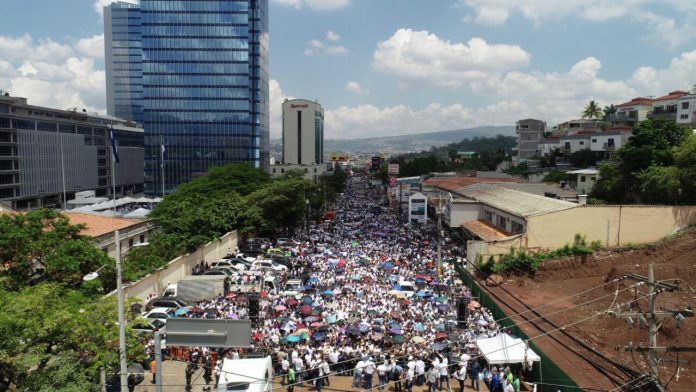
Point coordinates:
pixel 673 258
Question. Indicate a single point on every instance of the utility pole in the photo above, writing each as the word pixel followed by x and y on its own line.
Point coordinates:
pixel 654 320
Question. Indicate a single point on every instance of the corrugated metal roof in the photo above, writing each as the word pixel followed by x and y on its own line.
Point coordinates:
pixel 515 202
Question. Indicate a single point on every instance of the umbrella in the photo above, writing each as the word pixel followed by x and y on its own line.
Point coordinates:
pixel 372 312
pixel 230 295
pixel 388 266
pixel 307 300
pixel 353 330
pixel 280 308
pixel 443 307
pixel 437 346
pixel 305 310
pixel 441 299
pixel 319 337
pixel 283 340
pixel 331 319
pixel 440 327
pixel 315 324
pixel 421 294
pixel 300 332
pixel 394 324
pixel 317 311
pixel 356 277
pixel 232 315
pixel 405 302
pixel 211 312
pixel 182 311
pixel 418 339
pixel 396 287
pixel 311 319
pixel 441 335
pixel 419 327
pixel 313 279
pixel 291 302
pixel 258 336
pixel 328 292
pixel 364 327
pixel 396 331
pixel 376 336
pixel 395 315
pixel 308 288
pixel 293 339
pixel 398 338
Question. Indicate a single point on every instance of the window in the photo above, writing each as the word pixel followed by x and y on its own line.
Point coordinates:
pixel 594 140
pixel 130 243
pixel 516 228
pixel 282 170
pixel 582 178
pixel 684 117
pixel 273 170
pixel 142 238
pixel 502 221
pixel 685 105
pixel 593 178
pixel 582 143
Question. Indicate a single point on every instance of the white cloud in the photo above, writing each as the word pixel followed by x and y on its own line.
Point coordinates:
pixel 92 47
pixel 316 46
pixel 276 98
pixel 356 88
pixel 679 75
pixel 332 36
pixel 419 56
pixel 100 4
pixel 315 4
pixel 53 74
pixel 664 30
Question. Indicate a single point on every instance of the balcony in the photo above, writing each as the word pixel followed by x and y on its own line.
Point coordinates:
pixel 624 117
pixel 608 147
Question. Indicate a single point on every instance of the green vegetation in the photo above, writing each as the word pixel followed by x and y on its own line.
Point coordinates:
pixel 56 336
pixel 657 165
pixel 555 176
pixel 592 111
pixel 489 153
pixel 521 261
pixel 231 197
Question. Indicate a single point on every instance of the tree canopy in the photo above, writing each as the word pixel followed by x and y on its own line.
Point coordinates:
pixel 592 111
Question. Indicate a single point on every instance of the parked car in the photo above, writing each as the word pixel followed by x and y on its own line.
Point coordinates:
pixel 166 302
pixel 220 271
pixel 267 265
pixel 161 314
pixel 251 251
pixel 229 263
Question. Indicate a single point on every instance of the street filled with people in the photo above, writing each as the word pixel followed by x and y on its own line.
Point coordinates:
pixel 370 302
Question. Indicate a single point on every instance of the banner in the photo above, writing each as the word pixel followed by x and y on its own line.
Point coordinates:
pixel 376 163
pixel 393 168
pixel 392 181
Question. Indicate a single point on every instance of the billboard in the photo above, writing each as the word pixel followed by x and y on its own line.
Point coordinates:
pixel 393 168
pixel 392 181
pixel 376 163
pixel 338 157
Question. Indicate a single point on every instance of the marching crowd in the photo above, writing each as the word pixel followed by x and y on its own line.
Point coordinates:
pixel 352 316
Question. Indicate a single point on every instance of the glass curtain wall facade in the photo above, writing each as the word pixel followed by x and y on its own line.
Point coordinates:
pixel 122 44
pixel 205 87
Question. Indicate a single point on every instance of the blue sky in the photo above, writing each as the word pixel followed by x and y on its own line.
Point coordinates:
pixel 387 67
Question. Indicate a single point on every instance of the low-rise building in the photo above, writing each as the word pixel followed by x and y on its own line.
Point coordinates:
pixel 686 110
pixel 47 155
pixel 102 229
pixel 583 180
pixel 573 127
pixel 310 172
pixel 632 111
pixel 665 107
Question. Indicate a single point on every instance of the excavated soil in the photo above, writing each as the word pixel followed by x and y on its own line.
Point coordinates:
pixel 673 258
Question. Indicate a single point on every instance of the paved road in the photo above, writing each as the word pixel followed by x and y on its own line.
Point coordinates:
pixel 174 381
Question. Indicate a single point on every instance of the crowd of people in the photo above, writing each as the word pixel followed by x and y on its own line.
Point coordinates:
pixel 352 318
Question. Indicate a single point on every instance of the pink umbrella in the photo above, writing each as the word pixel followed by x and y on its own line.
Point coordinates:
pixel 315 324
pixel 280 308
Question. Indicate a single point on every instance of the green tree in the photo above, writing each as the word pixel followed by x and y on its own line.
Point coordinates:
pixel 45 240
pixel 592 111
pixel 659 184
pixel 282 204
pixel 685 161
pixel 55 339
pixel 610 186
pixel 583 158
pixel 651 144
pixel 608 111
pixel 555 176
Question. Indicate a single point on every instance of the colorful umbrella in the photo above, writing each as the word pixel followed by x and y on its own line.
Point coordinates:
pixel 329 292
pixel 396 331
pixel 182 311
pixel 305 310
pixel 315 324
pixel 398 338
pixel 293 339
pixel 291 302
pixel 280 308
pixel 418 339
pixel 230 295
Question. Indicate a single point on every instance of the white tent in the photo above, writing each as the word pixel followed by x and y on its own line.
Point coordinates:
pixel 139 213
pixel 503 348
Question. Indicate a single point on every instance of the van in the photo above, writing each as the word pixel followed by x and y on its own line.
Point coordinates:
pixel 246 375
pixel 408 288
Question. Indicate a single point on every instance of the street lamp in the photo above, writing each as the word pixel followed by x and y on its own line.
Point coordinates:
pixel 121 316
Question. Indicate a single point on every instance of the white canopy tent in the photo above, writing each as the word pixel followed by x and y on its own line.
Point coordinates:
pixel 139 213
pixel 503 349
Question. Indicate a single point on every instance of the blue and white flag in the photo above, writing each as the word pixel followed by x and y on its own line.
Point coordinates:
pixel 164 154
pixel 114 148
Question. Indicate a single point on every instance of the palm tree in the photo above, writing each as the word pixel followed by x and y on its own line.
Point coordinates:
pixel 592 111
pixel 608 112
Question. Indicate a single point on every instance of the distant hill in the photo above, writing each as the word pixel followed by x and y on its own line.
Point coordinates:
pixel 413 142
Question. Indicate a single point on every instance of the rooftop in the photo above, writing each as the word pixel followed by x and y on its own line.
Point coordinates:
pixel 99 225
pixel 513 201
pixel 454 183
pixel 638 101
pixel 484 230
pixel 585 171
pixel 672 95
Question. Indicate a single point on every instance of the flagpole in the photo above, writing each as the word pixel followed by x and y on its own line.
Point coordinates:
pixel 162 164
pixel 113 167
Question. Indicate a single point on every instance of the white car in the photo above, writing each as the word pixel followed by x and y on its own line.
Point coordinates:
pixel 161 314
pixel 292 288
pixel 408 288
pixel 267 265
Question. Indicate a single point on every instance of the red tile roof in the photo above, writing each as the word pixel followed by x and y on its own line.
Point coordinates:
pixel 97 225
pixel 672 95
pixel 636 101
pixel 454 183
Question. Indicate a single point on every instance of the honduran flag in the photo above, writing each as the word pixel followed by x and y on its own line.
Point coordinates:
pixel 114 148
pixel 163 153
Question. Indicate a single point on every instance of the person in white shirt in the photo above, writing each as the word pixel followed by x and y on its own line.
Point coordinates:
pixel 420 372
pixel 357 374
pixel 460 375
pixel 444 374
pixel 381 376
pixel 368 373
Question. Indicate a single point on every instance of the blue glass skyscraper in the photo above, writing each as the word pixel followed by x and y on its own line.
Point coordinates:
pixel 204 85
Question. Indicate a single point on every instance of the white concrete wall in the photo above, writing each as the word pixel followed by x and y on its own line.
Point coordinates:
pixel 180 267
pixel 461 213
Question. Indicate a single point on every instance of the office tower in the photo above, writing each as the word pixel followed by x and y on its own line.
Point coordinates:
pixel 303 132
pixel 204 84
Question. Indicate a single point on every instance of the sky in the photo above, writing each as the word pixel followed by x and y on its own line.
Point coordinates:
pixel 390 67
